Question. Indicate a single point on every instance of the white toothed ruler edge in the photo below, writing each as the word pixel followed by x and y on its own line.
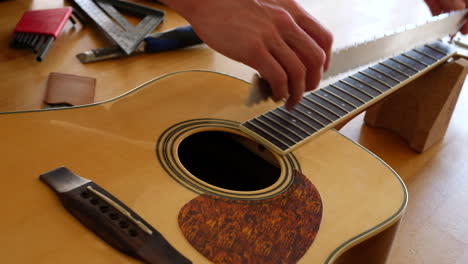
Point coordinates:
pixel 365 53
pixel 394 43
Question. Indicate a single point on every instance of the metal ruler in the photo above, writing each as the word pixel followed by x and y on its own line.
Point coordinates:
pixel 360 55
pixel 395 42
pixel 105 13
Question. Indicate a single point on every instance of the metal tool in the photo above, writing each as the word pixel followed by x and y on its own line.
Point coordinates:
pixel 176 38
pixel 105 14
pixel 392 43
pixel 38 29
pixel 371 51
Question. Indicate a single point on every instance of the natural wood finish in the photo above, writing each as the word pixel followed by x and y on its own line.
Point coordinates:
pixel 436 179
pixel 421 111
pixel 374 250
pixel 24 79
pixel 111 219
pixel 113 144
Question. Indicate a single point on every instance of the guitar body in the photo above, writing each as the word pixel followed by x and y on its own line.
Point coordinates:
pixel 131 146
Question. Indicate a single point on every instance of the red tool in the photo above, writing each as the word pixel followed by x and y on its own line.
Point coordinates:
pixel 37 29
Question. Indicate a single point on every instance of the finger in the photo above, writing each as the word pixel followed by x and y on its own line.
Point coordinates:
pixel 294 68
pixel 272 72
pixel 319 34
pixel 434 6
pixel 310 53
pixel 449 5
pixel 464 29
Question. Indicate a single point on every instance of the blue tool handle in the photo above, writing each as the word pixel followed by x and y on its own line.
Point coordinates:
pixel 177 38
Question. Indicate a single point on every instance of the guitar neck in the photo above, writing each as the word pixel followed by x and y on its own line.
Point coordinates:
pixel 282 130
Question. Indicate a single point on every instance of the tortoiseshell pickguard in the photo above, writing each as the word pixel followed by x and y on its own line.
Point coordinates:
pixel 276 230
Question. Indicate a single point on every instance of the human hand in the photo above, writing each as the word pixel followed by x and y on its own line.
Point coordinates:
pixel 278 38
pixel 441 6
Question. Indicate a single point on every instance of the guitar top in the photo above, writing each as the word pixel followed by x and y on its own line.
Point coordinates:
pixel 172 152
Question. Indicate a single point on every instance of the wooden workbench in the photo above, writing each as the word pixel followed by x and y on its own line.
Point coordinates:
pixel 434 228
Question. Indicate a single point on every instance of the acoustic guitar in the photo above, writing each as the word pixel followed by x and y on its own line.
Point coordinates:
pixel 182 158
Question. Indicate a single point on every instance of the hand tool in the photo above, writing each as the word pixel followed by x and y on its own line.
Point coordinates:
pixel 105 13
pixel 367 52
pixel 176 38
pixel 38 29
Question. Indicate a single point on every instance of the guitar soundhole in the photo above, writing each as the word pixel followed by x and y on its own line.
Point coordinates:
pixel 219 159
pixel 212 156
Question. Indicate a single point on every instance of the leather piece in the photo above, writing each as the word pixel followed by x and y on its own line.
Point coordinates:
pixel 69 89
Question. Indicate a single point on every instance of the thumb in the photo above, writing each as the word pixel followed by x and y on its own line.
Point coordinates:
pixel 464 29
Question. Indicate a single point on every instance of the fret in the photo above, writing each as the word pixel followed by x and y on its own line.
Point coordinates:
pixel 285 126
pixel 351 89
pixel 338 100
pixel 317 125
pixel 348 93
pixel 376 77
pixel 379 77
pixel 349 82
pixel 440 52
pixel 347 98
pixel 386 72
pixel 414 59
pixel 318 112
pixel 294 118
pixel 442 48
pixel 313 114
pixel 324 100
pixel 433 52
pixel 322 108
pixel 371 82
pixel 331 115
pixel 426 54
pixel 266 132
pixel 396 71
pixel 401 67
pixel 283 146
pixel 371 90
pixel 421 57
pixel 287 123
pixel 408 63
pixel 280 134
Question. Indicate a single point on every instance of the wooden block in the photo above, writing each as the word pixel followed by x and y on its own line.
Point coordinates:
pixel 420 111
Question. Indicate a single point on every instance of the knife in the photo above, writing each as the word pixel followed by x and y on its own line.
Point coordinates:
pixel 176 38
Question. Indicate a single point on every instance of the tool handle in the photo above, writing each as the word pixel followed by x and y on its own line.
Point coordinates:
pixel 177 38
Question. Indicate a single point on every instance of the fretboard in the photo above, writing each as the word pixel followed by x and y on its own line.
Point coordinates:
pixel 282 130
